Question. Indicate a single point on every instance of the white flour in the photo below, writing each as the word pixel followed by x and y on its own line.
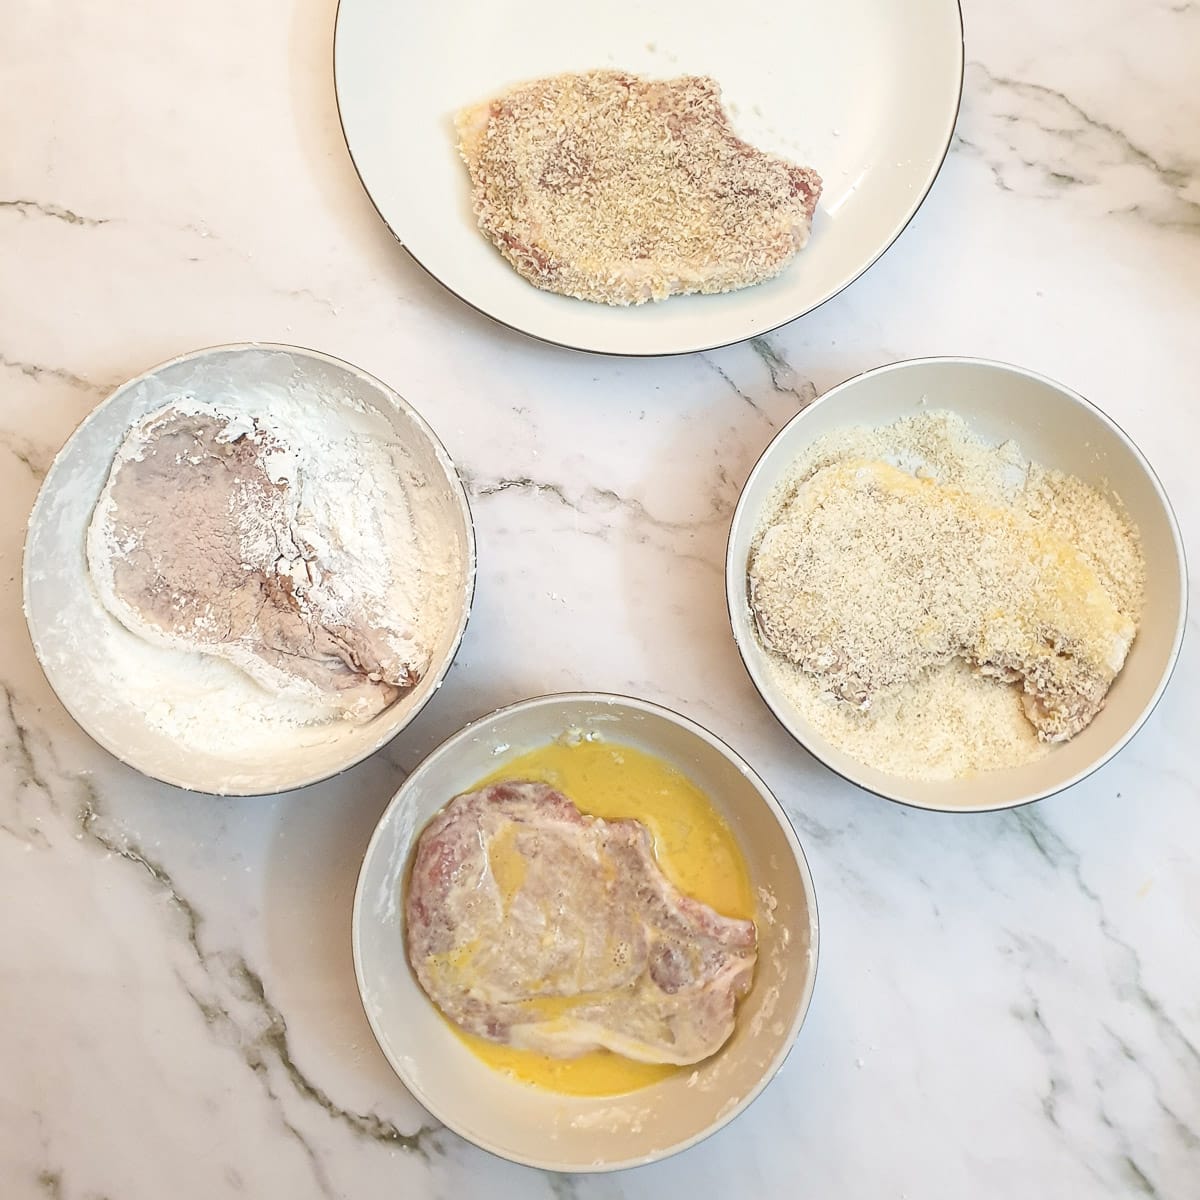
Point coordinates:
pixel 356 490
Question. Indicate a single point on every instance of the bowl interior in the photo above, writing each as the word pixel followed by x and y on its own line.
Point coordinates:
pixel 71 629
pixel 1052 426
pixel 542 1128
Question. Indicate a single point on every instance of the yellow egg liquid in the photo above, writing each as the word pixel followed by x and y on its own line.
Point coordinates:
pixel 693 846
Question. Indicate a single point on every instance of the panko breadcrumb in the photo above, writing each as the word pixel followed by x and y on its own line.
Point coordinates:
pixel 891 559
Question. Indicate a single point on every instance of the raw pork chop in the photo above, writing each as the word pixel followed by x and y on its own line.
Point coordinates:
pixel 620 190
pixel 194 544
pixel 532 924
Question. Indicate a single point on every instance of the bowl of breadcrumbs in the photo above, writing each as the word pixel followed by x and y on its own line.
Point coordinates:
pixel 956 583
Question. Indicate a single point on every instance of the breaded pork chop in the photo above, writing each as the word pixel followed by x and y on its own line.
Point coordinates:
pixel 616 189
pixel 871 576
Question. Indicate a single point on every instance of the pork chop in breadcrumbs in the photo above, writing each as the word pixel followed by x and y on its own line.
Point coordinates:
pixel 619 190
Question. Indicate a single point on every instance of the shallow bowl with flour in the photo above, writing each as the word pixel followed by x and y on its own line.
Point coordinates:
pixel 577 1133
pixel 1053 426
pixel 73 634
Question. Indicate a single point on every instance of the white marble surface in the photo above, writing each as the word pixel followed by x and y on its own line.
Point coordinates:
pixel 1009 1005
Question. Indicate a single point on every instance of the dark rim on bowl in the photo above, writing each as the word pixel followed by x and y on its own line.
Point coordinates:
pixel 1084 402
pixel 937 170
pixel 756 781
pixel 403 406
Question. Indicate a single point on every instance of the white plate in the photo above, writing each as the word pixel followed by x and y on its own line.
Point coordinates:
pixel 865 91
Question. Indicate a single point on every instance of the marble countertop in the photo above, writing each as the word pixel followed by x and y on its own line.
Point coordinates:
pixel 1009 1004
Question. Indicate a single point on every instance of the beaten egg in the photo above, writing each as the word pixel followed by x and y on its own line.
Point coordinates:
pixel 693 846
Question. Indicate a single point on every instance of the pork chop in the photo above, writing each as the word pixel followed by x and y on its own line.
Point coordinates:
pixel 871 576
pixel 196 544
pixel 531 924
pixel 619 190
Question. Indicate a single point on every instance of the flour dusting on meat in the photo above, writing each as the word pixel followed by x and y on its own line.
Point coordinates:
pixel 531 924
pixel 216 532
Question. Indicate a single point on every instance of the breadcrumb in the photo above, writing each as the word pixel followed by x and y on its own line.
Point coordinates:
pixel 615 189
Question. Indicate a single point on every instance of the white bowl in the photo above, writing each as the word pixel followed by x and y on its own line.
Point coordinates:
pixel 71 630
pixel 1053 426
pixel 575 1133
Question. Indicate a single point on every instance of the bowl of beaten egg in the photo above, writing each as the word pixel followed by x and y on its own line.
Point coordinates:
pixel 626 1043
pixel 956 583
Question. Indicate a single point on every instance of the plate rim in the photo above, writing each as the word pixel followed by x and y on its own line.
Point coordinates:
pixel 698 349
